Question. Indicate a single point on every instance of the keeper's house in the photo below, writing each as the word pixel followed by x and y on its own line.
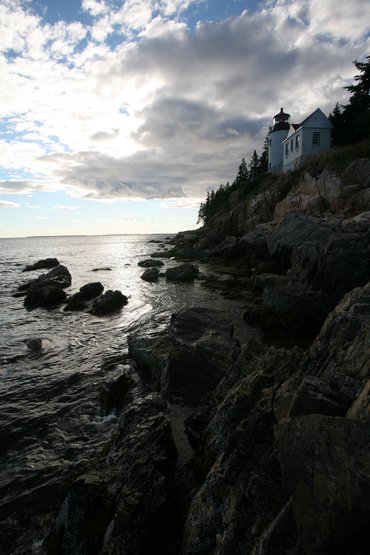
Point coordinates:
pixel 292 143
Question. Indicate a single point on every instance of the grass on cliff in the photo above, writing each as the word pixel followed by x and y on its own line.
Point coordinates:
pixel 336 159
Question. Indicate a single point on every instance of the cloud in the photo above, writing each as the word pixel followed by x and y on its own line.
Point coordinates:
pixel 65 207
pixel 8 204
pixel 162 111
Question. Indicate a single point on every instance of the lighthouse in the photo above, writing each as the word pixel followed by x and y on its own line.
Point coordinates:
pixel 278 133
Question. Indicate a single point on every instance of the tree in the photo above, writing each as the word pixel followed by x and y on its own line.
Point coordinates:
pixel 352 122
pixel 263 160
pixel 337 121
pixel 243 174
pixel 253 165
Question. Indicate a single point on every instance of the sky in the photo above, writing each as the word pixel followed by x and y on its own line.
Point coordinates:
pixel 117 116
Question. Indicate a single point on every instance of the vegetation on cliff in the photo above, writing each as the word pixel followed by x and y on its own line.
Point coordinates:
pixel 351 141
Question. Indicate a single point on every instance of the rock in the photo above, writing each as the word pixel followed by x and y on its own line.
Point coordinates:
pixel 229 247
pixel 358 173
pixel 294 313
pixel 46 297
pixel 150 263
pixel 150 274
pixel 184 272
pixel 325 461
pixel 201 351
pixel 45 263
pixel 58 277
pixel 340 353
pixel 164 254
pixel 307 395
pixel 79 301
pixel 327 255
pixel 361 407
pixel 34 344
pixel 128 502
pixel 107 303
pixel 103 269
pixel 114 393
pixel 150 353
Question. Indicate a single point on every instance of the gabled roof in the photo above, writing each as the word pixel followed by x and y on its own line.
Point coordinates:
pixel 318 114
pixel 317 119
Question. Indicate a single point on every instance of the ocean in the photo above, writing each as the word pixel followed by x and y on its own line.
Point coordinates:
pixel 51 419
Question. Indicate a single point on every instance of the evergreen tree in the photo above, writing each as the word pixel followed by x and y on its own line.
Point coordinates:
pixel 243 174
pixel 253 165
pixel 336 119
pixel 352 124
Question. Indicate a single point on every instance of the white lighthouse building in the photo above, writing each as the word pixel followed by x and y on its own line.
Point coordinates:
pixel 278 133
pixel 292 143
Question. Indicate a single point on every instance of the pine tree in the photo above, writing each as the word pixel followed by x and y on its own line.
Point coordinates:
pixel 353 123
pixel 243 174
pixel 253 165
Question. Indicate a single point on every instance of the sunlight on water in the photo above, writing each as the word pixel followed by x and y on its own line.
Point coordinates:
pixel 51 422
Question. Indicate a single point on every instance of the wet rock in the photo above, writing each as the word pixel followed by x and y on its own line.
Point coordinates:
pixel 201 351
pixel 103 269
pixel 48 296
pixel 325 461
pixel 150 353
pixel 40 264
pixel 114 393
pixel 128 503
pixel 184 272
pixel 150 263
pixel 150 274
pixel 58 277
pixel 79 301
pixel 109 302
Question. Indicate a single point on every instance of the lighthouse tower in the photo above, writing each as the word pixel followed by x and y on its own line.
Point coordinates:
pixel 278 133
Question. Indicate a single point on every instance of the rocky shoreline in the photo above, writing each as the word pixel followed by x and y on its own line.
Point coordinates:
pixel 254 440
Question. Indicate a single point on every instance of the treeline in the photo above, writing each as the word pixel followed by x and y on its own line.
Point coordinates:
pixel 351 124
pixel 246 172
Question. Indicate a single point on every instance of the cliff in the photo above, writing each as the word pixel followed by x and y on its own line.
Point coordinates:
pixel 254 440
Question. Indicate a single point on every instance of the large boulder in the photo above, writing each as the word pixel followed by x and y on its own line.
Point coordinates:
pixel 40 264
pixel 58 277
pixel 184 272
pixel 150 263
pixel 109 302
pixel 48 296
pixel 150 274
pixel 79 301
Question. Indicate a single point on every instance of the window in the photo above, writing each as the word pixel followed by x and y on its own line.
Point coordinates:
pixel 297 142
pixel 291 145
pixel 316 138
pixel 287 149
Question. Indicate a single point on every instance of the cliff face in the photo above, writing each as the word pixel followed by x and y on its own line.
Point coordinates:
pixel 253 440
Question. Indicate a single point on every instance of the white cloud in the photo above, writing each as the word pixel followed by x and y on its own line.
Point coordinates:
pixel 94 7
pixel 8 204
pixel 165 112
pixel 64 207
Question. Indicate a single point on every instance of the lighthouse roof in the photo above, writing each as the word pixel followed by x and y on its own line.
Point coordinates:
pixel 282 115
